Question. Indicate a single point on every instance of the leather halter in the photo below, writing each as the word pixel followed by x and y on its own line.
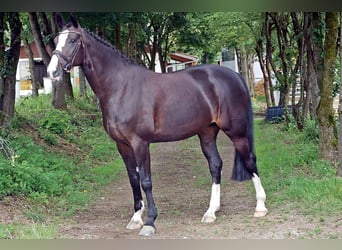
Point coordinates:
pixel 69 60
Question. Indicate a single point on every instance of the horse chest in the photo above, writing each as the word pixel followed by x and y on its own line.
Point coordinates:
pixel 116 126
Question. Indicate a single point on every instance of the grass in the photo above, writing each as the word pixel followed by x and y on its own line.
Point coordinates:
pixel 29 231
pixel 293 175
pixel 61 160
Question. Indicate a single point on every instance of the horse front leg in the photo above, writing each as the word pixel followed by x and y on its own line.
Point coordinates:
pixel 128 157
pixel 142 155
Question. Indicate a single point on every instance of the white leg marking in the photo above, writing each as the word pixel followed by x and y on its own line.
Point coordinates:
pixel 214 204
pixel 260 209
pixel 52 67
pixel 136 222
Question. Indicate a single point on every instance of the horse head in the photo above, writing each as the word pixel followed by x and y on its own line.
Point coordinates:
pixel 69 50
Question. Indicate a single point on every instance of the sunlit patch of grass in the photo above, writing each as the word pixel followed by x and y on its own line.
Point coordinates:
pixel 28 231
pixel 291 173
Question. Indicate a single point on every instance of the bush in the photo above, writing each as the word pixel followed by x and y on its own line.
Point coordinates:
pixel 34 170
pixel 60 155
pixel 56 121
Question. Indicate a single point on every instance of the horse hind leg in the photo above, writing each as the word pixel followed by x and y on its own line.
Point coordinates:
pixel 209 149
pixel 260 209
pixel 248 159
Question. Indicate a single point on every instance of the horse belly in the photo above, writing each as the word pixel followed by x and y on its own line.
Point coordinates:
pixel 181 123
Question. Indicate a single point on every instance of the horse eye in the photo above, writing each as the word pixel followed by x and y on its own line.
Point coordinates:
pixel 72 40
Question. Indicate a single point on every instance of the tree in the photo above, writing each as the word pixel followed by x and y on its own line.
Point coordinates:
pixel 233 30
pixel 196 37
pixel 281 63
pixel 159 30
pixel 263 43
pixel 83 86
pixel 27 39
pixel 325 113
pixel 37 34
pixel 60 89
pixel 9 55
pixel 339 170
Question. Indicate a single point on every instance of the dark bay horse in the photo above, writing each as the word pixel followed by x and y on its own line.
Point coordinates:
pixel 140 107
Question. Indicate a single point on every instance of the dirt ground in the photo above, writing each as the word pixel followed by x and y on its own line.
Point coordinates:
pixel 179 170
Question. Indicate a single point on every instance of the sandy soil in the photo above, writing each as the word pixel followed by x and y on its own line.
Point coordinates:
pixel 179 170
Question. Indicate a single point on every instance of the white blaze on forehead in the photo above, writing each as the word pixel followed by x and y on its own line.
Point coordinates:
pixel 62 39
pixel 52 67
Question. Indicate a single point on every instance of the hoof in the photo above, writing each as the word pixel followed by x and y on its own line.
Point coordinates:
pixel 133 225
pixel 208 219
pixel 260 213
pixel 147 231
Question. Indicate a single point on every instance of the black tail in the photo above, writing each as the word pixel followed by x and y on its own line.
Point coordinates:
pixel 240 172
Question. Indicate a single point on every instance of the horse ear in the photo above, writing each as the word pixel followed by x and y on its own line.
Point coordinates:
pixel 60 21
pixel 74 21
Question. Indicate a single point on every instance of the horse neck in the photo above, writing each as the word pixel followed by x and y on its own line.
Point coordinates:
pixel 99 61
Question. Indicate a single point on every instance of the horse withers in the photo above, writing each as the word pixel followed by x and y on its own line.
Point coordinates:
pixel 140 107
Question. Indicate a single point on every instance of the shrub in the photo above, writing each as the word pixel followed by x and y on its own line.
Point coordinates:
pixel 61 155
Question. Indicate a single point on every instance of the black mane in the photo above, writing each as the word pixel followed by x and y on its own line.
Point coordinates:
pixel 109 45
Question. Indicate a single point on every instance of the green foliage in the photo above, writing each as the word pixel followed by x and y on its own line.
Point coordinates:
pixel 291 172
pixel 56 121
pixel 61 157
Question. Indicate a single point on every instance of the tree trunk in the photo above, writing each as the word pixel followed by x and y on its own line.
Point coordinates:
pixel 339 170
pixel 298 69
pixel 267 79
pixel 311 75
pixel 58 97
pixel 9 63
pixel 69 93
pixel 316 60
pixel 83 85
pixel 47 31
pixel 54 28
pixel 34 81
pixel 281 73
pixel 38 38
pixel 269 51
pixel 153 53
pixel 161 60
pixel 326 122
pixel 132 42
pixel 163 53
pixel 117 36
pixel 243 66
pixel 251 76
pixel 2 65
